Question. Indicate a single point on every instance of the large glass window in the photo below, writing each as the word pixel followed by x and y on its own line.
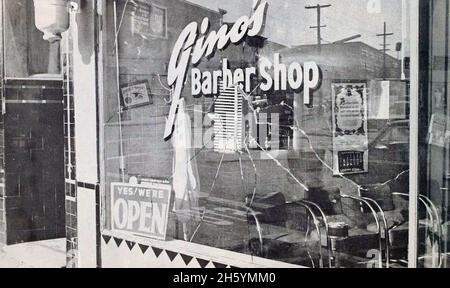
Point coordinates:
pixel 281 126
pixel 434 145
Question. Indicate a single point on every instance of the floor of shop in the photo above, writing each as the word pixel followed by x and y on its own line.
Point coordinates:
pixel 41 254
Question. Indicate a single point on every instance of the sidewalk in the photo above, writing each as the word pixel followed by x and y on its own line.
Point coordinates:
pixel 42 254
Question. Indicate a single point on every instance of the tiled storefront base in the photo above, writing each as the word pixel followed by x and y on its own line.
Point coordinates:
pixel 31 158
pixel 71 233
pixel 134 252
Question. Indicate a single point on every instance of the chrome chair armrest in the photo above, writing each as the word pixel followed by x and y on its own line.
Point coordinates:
pixel 375 216
pixel 316 224
pixel 434 216
pixel 438 227
pixel 325 222
pixel 424 203
pixel 258 227
pixel 322 214
pixel 386 227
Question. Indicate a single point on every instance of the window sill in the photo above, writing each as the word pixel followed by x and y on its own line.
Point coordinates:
pixel 204 252
pixel 255 155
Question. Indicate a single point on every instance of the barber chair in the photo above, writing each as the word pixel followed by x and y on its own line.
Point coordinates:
pixel 344 226
pixel 393 212
pixel 283 231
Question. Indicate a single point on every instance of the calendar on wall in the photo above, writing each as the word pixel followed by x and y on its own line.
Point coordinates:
pixel 350 138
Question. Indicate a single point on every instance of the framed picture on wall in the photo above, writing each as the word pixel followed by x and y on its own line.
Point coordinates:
pixel 135 94
pixel 158 21
pixel 148 20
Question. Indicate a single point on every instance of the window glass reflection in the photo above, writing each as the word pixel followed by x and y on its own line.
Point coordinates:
pixel 433 243
pixel 313 174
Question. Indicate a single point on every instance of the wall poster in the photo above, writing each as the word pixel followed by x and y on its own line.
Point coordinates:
pixel 439 134
pixel 350 138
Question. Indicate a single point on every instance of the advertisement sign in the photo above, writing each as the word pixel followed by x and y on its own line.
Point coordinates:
pixel 439 134
pixel 350 139
pixel 136 94
pixel 141 209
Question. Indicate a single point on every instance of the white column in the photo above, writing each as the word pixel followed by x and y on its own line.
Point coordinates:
pixel 85 98
pixel 414 137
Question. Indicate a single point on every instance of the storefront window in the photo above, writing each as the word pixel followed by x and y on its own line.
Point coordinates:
pixel 434 145
pixel 282 127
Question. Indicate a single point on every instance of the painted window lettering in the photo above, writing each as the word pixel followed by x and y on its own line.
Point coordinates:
pixel 188 42
pixel 192 48
pixel 294 76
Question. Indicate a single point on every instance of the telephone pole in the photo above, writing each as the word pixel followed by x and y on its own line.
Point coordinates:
pixel 385 49
pixel 318 7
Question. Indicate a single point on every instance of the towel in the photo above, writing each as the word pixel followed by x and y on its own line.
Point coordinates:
pixel 186 184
